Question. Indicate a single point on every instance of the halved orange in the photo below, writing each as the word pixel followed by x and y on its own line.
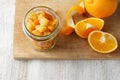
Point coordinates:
pixel 102 42
pixel 84 27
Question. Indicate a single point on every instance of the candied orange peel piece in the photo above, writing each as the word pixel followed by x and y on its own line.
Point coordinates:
pixel 41 23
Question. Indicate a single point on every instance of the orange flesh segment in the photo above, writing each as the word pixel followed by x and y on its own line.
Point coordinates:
pixel 102 42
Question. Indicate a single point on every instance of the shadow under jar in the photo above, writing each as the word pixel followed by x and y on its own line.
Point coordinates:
pixel 34 31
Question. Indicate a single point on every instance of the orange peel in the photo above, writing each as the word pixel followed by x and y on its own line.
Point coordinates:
pixel 78 8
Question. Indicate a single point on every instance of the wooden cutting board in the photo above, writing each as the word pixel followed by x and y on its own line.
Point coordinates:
pixel 71 47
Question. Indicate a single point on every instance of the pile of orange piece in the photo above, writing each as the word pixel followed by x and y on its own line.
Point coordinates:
pixel 90 28
pixel 41 23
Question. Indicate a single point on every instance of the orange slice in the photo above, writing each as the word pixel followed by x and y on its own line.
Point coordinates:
pixel 78 8
pixel 102 42
pixel 84 27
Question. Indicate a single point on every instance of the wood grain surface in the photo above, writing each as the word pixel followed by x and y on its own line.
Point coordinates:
pixel 71 47
pixel 11 69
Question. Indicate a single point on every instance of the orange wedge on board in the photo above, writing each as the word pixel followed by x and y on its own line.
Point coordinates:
pixel 79 8
pixel 84 27
pixel 102 42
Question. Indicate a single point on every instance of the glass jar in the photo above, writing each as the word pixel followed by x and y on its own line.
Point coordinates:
pixel 42 42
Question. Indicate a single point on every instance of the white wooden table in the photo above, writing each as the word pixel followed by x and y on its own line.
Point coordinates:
pixel 11 69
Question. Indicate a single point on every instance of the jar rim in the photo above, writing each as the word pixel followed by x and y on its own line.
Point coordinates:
pixel 28 33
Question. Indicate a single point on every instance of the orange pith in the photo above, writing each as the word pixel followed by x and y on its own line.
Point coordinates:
pixel 84 27
pixel 102 42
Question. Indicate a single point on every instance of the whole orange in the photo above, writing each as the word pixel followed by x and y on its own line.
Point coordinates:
pixel 101 8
